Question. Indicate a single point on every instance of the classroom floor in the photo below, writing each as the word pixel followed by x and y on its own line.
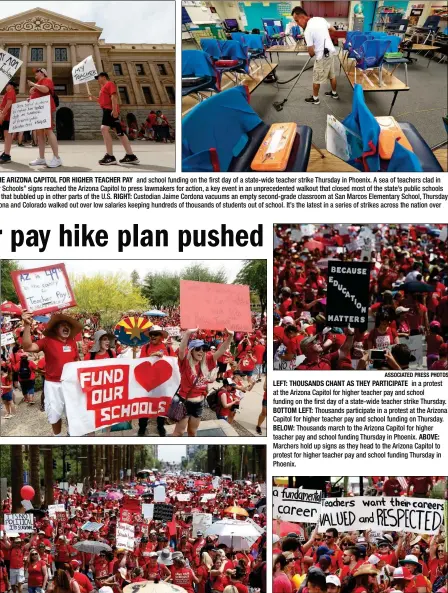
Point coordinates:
pixel 423 105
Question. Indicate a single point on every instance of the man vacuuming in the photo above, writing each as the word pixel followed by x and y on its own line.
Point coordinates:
pixel 318 41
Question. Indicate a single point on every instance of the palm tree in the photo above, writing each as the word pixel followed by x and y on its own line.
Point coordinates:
pixel 17 476
pixel 48 475
pixel 84 464
pixel 34 463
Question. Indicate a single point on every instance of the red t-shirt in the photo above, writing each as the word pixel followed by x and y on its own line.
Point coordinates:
pixel 57 353
pixel 8 96
pixel 281 584
pixel 420 484
pixel 99 356
pixel 259 352
pixel 229 397
pixel 417 582
pixel 435 568
pixel 36 94
pixel 193 383
pixel 392 487
pixel 3 579
pixel 382 341
pixel 183 577
pixel 149 349
pixel 106 92
pixel 35 574
pixel 202 571
pixel 83 581
pixel 16 558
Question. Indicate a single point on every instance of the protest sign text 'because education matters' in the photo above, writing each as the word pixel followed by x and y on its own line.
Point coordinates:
pixel 348 293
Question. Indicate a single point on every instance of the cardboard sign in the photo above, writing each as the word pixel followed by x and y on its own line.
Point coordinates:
pixel 296 505
pixel 43 290
pixel 148 511
pixel 173 331
pixel 21 523
pixel 99 393
pixel 30 115
pixel 209 305
pixel 125 536
pixel 348 294
pixel 159 494
pixel 7 338
pixel 201 522
pixel 85 71
pixel 61 517
pixel 91 526
pixel 55 508
pixel 8 67
pixel 163 512
pixel 386 513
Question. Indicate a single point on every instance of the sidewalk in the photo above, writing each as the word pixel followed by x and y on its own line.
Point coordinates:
pixel 83 156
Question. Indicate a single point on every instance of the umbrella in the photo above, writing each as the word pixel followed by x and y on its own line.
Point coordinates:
pixel 239 535
pixel 42 318
pixel 415 286
pixel 92 547
pixel 236 511
pixel 153 587
pixel 10 308
pixel 114 495
pixel 312 245
pixel 154 313
pixel 286 528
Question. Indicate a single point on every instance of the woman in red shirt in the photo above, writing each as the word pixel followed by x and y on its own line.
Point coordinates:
pixel 102 346
pixel 9 98
pixel 195 365
pixel 228 401
pixel 181 575
pixel 37 573
pixel 217 577
pixel 44 87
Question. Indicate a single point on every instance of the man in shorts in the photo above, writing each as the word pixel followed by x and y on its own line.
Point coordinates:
pixel 16 566
pixel 9 98
pixel 318 41
pixel 59 347
pixel 108 101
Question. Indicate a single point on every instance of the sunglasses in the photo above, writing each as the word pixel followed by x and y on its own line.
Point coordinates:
pixel 328 537
pixel 199 349
pixel 155 335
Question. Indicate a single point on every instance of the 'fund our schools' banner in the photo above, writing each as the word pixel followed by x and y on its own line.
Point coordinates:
pixel 385 513
pixel 100 393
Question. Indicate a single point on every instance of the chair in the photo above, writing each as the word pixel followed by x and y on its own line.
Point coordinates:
pixel 232 51
pixel 297 34
pixel 212 47
pixel 224 134
pixel 400 26
pixel 255 46
pixel 371 55
pixel 430 28
pixel 198 74
pixel 273 35
pixel 238 36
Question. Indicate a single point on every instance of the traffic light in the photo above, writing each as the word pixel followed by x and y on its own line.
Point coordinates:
pixel 54 463
pixel 68 466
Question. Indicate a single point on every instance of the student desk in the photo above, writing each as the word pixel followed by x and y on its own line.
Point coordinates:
pixel 370 83
pixel 420 47
pixel 286 49
pixel 252 82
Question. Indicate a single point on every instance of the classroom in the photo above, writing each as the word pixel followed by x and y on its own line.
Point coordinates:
pixel 314 86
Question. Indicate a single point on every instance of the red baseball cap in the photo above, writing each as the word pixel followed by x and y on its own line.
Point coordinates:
pixel 75 563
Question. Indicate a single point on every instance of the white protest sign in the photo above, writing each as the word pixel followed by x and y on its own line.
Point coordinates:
pixel 71 490
pixel 30 115
pixel 125 536
pixel 85 71
pixel 7 338
pixel 45 289
pixel 296 505
pixel 207 497
pixel 21 523
pixel 216 482
pixel 308 230
pixel 201 522
pixel 148 511
pixel 443 233
pixel 173 331
pixel 288 365
pixel 252 539
pixel 8 67
pixel 296 234
pixel 55 508
pixel 27 505
pixel 386 513
pixel 159 494
pixel 91 526
pixel 183 497
pixel 79 487
pixel 63 485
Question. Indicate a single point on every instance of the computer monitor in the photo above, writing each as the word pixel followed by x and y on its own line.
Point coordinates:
pixel 231 23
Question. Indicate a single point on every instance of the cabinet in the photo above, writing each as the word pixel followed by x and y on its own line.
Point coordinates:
pixel 341 9
pixel 325 9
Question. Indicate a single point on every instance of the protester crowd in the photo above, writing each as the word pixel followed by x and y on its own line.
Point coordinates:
pixel 408 296
pixel 217 368
pixel 79 552
pixel 362 561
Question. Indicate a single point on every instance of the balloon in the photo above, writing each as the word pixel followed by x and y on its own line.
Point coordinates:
pixel 27 493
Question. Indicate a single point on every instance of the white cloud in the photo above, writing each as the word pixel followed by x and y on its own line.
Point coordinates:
pixel 147 21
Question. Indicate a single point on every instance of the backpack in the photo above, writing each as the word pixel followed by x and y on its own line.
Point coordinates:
pixel 208 586
pixel 255 577
pixel 24 372
pixel 55 99
pixel 213 399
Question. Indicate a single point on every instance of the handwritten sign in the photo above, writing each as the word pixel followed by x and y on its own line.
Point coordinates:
pixel 7 338
pixel 91 526
pixel 61 516
pixel 252 538
pixel 8 67
pixel 148 511
pixel 296 505
pixel 173 331
pixel 163 512
pixel 19 523
pixel 201 522
pixel 209 305
pixel 30 115
pixel 125 536
pixel 42 290
pixel 85 71
pixel 159 494
pixel 386 513
pixel 99 393
pixel 55 508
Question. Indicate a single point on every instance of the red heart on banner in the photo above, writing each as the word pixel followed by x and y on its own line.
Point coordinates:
pixel 150 376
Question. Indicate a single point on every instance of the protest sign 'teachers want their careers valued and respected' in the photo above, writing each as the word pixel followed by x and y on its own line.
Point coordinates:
pixel 348 293
pixel 30 115
pixel 296 505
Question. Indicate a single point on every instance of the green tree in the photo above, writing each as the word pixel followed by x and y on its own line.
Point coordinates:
pixel 8 292
pixel 109 294
pixel 201 273
pixel 135 279
pixel 254 274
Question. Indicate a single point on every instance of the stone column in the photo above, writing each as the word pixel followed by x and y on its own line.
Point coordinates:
pixel 135 87
pixel 24 58
pixel 49 67
pixel 74 60
pixel 97 58
pixel 159 86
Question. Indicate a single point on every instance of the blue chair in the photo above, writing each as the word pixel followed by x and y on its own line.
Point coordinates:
pixel 273 35
pixel 255 47
pixel 235 52
pixel 430 28
pixel 198 74
pixel 371 56
pixel 224 134
pixel 400 26
pixel 212 47
pixel 238 36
